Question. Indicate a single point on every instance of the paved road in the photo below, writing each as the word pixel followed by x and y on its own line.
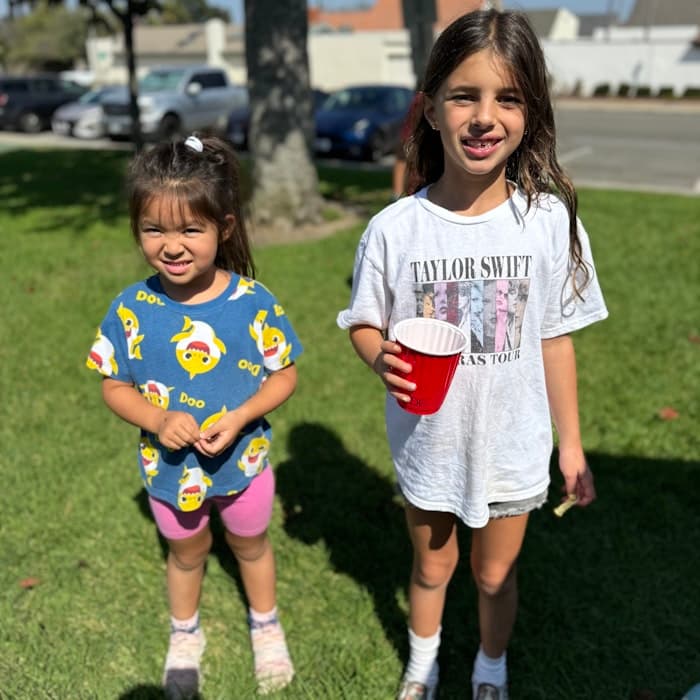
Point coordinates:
pixel 655 150
pixel 652 147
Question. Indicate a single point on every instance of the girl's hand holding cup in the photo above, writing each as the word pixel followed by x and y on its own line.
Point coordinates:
pixel 387 361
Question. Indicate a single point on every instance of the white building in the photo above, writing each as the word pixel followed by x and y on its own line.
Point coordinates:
pixel 646 52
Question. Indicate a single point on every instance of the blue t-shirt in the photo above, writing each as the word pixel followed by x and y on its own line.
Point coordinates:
pixel 204 359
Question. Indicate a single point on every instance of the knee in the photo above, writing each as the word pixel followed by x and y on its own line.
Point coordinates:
pixel 434 572
pixel 190 560
pixel 248 549
pixel 494 579
pixel 189 556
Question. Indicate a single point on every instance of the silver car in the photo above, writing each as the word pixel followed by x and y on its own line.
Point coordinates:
pixel 83 118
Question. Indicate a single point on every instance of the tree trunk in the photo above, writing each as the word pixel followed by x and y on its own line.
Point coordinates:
pixel 134 111
pixel 281 129
pixel 418 18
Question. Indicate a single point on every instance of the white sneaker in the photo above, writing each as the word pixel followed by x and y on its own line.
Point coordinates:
pixel 273 666
pixel 412 690
pixel 181 672
pixel 486 691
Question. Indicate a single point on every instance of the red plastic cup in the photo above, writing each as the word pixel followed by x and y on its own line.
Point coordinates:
pixel 432 348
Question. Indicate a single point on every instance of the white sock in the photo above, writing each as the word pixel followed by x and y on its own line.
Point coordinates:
pixel 188 625
pixel 263 618
pixel 422 664
pixel 488 670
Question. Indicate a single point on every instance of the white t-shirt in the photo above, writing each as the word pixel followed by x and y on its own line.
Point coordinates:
pixel 504 278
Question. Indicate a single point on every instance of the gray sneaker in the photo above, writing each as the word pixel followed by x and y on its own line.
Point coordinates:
pixel 412 690
pixel 486 691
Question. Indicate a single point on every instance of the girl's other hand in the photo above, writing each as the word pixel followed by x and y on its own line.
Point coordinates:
pixel 177 429
pixel 387 361
pixel 578 478
pixel 222 434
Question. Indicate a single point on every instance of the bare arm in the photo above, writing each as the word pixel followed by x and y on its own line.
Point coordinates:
pixel 274 391
pixel 560 375
pixel 175 429
pixel 380 355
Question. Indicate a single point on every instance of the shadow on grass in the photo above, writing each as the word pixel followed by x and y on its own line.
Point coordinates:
pixel 328 494
pixel 79 186
pixel 609 605
pixel 143 692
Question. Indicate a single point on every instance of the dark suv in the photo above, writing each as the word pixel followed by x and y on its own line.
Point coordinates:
pixel 27 103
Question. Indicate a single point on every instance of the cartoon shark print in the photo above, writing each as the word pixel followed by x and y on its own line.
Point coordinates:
pixel 158 394
pixel 252 460
pixel 101 357
pixel 271 342
pixel 131 330
pixel 244 286
pixel 198 350
pixel 193 489
pixel 210 420
pixel 256 329
pixel 149 459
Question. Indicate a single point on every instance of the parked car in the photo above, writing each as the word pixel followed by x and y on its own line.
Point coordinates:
pixel 239 119
pixel 83 118
pixel 28 102
pixel 175 100
pixel 362 121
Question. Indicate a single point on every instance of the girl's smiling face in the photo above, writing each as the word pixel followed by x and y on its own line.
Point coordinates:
pixel 480 113
pixel 182 249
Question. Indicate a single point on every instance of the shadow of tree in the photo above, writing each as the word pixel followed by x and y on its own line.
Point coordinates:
pixel 79 187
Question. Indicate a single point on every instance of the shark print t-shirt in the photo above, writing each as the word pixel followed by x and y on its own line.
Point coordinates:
pixel 504 278
pixel 203 359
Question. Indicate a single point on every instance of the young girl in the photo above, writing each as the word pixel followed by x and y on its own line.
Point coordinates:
pixel 484 212
pixel 196 356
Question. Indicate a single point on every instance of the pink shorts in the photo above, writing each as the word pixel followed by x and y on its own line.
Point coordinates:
pixel 246 514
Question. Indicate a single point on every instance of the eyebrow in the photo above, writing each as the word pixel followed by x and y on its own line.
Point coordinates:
pixel 474 88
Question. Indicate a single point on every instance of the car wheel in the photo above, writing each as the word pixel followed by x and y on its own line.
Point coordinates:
pixel 30 123
pixel 376 149
pixel 170 129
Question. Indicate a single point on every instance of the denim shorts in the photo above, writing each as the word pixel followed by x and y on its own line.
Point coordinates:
pixel 507 509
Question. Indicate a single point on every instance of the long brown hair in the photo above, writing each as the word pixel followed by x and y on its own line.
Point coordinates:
pixel 533 166
pixel 208 182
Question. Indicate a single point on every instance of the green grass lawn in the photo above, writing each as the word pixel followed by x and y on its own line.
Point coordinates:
pixel 610 606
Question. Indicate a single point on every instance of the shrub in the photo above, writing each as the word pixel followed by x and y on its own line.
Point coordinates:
pixel 601 90
pixel 691 93
pixel 665 92
pixel 623 90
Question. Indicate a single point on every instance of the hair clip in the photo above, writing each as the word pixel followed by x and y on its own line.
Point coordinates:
pixel 194 143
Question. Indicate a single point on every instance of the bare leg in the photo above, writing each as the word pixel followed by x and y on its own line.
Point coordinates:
pixel 256 562
pixel 185 572
pixel 495 549
pixel 435 554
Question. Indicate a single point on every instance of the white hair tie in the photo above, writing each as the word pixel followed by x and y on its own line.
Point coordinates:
pixel 194 143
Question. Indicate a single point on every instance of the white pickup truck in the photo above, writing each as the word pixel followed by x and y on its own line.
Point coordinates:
pixel 174 101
